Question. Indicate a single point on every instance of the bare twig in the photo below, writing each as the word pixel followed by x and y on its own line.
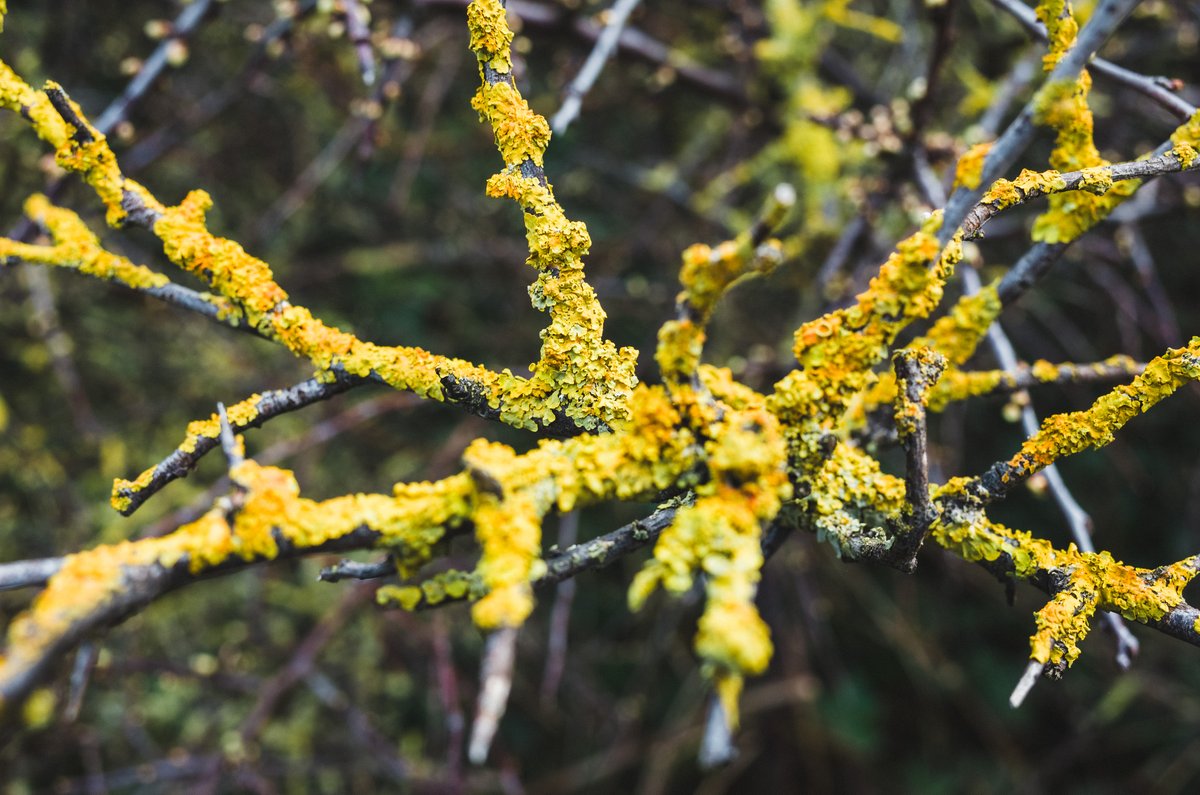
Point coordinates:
pixel 28 573
pixel 716 745
pixel 499 658
pixel 447 681
pixel 1033 672
pixel 229 443
pixel 560 614
pixel 360 36
pixel 355 570
pixel 606 43
pixel 182 27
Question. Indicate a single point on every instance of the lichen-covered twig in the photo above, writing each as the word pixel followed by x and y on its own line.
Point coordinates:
pixel 205 435
pixel 1097 180
pixel 917 370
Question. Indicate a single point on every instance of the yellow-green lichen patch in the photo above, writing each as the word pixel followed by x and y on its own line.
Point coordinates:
pixel 955 335
pixel 491 38
pixel 1061 30
pixel 719 536
pixel 1063 106
pixel 1065 434
pixel 837 351
pixel 1028 184
pixel 1089 581
pixel 1186 140
pixel 222 263
pixel 271 511
pixel 969 171
pixel 585 377
pixel 1062 623
pixel 19 97
pixel 521 134
pixel 76 247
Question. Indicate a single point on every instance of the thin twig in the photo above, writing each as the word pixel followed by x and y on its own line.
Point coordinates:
pixel 182 27
pixel 360 36
pixel 269 405
pixel 496 676
pixel 28 573
pixel 606 44
pixel 560 614
pixel 1033 672
pixel 716 745
pixel 356 570
pixel 447 681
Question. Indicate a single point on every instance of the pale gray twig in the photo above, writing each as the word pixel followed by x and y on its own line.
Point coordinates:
pixel 606 44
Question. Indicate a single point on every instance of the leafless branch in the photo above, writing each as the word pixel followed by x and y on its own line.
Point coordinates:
pixel 269 405
pixel 614 23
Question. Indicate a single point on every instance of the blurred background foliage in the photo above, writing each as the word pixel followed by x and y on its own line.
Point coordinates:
pixel 368 202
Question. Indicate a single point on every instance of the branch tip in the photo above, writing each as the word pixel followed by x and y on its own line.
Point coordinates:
pixel 1033 672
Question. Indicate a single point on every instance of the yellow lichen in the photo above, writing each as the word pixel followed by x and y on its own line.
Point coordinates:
pixel 1061 29
pixel 271 511
pixel 969 171
pixel 1066 434
pixel 76 247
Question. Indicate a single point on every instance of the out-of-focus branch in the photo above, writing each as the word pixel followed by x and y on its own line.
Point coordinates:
pixel 28 573
pixel 614 23
pixel 1156 88
pixel 1019 133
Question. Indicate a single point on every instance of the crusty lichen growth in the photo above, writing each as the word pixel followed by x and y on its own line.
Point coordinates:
pixel 1061 30
pixel 707 274
pixel 269 511
pixel 1063 106
pixel 1066 434
pixel 837 351
pixel 1088 581
pixel 240 415
pixel 578 372
pixel 719 537
pixel 1186 139
pixel 969 171
pixel 76 247
pixel 955 335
